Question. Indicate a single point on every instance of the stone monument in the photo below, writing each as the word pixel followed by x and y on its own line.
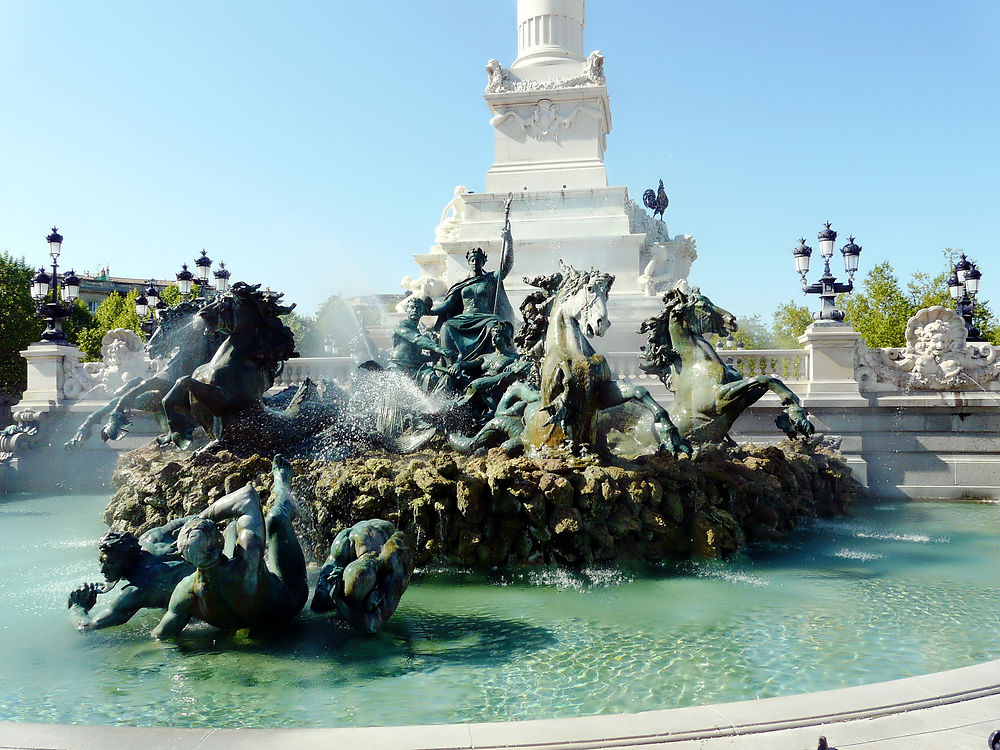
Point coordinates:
pixel 551 114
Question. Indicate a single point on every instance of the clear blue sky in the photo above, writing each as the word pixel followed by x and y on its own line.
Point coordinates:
pixel 312 146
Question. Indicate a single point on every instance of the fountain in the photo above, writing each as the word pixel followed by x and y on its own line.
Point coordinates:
pixel 477 467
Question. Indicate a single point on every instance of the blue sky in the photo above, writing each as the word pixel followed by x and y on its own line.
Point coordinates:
pixel 312 146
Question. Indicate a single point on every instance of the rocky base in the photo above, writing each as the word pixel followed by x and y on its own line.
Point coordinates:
pixel 494 511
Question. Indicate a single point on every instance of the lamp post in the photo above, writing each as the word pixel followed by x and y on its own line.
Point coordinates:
pixel 148 303
pixel 963 286
pixel 827 287
pixel 53 311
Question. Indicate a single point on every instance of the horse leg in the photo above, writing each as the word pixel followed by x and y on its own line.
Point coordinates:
pixel 177 407
pixel 794 420
pixel 86 429
pixel 666 434
pixel 734 398
pixel 120 418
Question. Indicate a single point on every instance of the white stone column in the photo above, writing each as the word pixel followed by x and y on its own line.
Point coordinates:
pixel 46 375
pixel 831 348
pixel 549 32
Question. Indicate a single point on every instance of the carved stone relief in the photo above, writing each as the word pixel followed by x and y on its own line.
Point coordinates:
pixel 937 356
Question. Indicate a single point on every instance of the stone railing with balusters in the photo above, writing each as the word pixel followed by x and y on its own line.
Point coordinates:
pixel 789 365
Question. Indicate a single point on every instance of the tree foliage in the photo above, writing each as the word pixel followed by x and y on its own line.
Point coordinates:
pixel 789 322
pixel 18 324
pixel 114 312
pixel 880 309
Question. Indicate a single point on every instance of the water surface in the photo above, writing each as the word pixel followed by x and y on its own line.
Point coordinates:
pixel 896 591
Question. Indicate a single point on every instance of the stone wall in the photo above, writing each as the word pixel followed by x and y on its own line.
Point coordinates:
pixel 493 511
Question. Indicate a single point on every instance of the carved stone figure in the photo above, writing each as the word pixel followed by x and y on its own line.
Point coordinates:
pixel 262 583
pixel 123 357
pixel 937 355
pixel 709 395
pixel 546 119
pixel 471 307
pixel 500 79
pixel 368 570
pixel 139 573
pixel 452 216
pixel 425 286
pixel 668 264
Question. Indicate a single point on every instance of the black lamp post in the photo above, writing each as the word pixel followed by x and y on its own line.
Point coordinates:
pixel 53 311
pixel 148 303
pixel 963 286
pixel 827 287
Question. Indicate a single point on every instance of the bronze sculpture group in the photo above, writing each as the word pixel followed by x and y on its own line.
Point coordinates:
pixel 540 389
pixel 250 574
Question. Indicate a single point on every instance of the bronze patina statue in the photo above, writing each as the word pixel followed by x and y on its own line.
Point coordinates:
pixel 409 344
pixel 368 570
pixel 471 307
pixel 262 583
pixel 139 573
pixel 709 394
pixel 576 382
pixel 185 340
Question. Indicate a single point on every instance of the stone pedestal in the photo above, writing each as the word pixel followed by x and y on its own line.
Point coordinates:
pixel 832 351
pixel 46 375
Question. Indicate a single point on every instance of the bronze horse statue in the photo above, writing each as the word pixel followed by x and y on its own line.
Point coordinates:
pixel 709 394
pixel 225 395
pixel 185 340
pixel 576 383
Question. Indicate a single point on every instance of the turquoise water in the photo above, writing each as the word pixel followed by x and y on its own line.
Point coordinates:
pixel 898 590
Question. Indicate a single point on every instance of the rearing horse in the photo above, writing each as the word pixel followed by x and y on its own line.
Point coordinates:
pixel 709 394
pixel 576 381
pixel 185 341
pixel 229 387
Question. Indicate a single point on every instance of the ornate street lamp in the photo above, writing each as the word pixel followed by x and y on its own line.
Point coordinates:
pixel 827 287
pixel 222 278
pixel 146 304
pixel 203 266
pixel 184 281
pixel 963 286
pixel 44 286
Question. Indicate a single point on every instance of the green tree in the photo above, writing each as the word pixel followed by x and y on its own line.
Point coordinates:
pixel 790 321
pixel 303 328
pixel 18 324
pixel 171 295
pixel 114 312
pixel 879 309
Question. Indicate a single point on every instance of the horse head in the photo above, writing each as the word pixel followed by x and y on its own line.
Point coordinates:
pixel 583 295
pixel 697 312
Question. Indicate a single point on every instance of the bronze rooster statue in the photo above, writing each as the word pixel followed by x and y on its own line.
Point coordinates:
pixel 656 202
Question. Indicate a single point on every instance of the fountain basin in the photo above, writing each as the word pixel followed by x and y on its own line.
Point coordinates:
pixel 896 591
